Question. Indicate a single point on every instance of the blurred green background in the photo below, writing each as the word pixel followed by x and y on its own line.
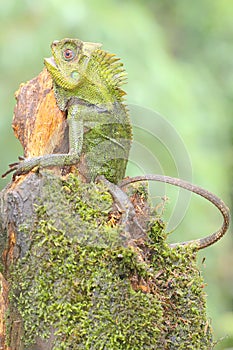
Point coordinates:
pixel 178 55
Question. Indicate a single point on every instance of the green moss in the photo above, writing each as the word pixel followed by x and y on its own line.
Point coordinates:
pixel 184 301
pixel 79 281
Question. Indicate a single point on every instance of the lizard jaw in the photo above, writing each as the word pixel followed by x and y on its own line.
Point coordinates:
pixel 57 76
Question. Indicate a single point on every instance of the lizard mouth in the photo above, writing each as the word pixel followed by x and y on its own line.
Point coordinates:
pixel 50 61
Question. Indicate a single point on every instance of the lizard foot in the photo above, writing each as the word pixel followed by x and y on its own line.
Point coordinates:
pixel 23 166
pixel 124 204
pixel 47 160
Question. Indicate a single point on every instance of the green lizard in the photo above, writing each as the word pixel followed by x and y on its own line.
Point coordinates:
pixel 87 84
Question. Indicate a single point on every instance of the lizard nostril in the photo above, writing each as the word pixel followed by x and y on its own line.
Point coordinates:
pixel 55 42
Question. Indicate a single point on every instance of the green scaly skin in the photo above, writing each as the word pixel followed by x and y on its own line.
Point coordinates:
pixel 87 84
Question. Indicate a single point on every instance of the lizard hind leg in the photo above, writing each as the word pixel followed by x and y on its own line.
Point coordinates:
pixel 217 202
pixel 132 229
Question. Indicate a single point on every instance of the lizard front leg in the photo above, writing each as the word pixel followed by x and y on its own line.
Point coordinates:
pixel 47 160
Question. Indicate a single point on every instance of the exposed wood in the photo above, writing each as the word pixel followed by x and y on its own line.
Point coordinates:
pixel 38 123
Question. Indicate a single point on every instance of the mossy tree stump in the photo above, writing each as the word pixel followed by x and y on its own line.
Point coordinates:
pixel 72 278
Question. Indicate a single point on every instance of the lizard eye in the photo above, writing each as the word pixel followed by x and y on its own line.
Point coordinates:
pixel 68 54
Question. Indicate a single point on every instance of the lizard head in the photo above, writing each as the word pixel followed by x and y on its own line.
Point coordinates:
pixel 69 61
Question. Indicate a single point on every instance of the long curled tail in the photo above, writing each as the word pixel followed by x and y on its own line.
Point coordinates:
pixel 221 206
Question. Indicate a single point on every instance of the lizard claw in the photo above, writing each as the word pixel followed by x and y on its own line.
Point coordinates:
pixel 13 167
